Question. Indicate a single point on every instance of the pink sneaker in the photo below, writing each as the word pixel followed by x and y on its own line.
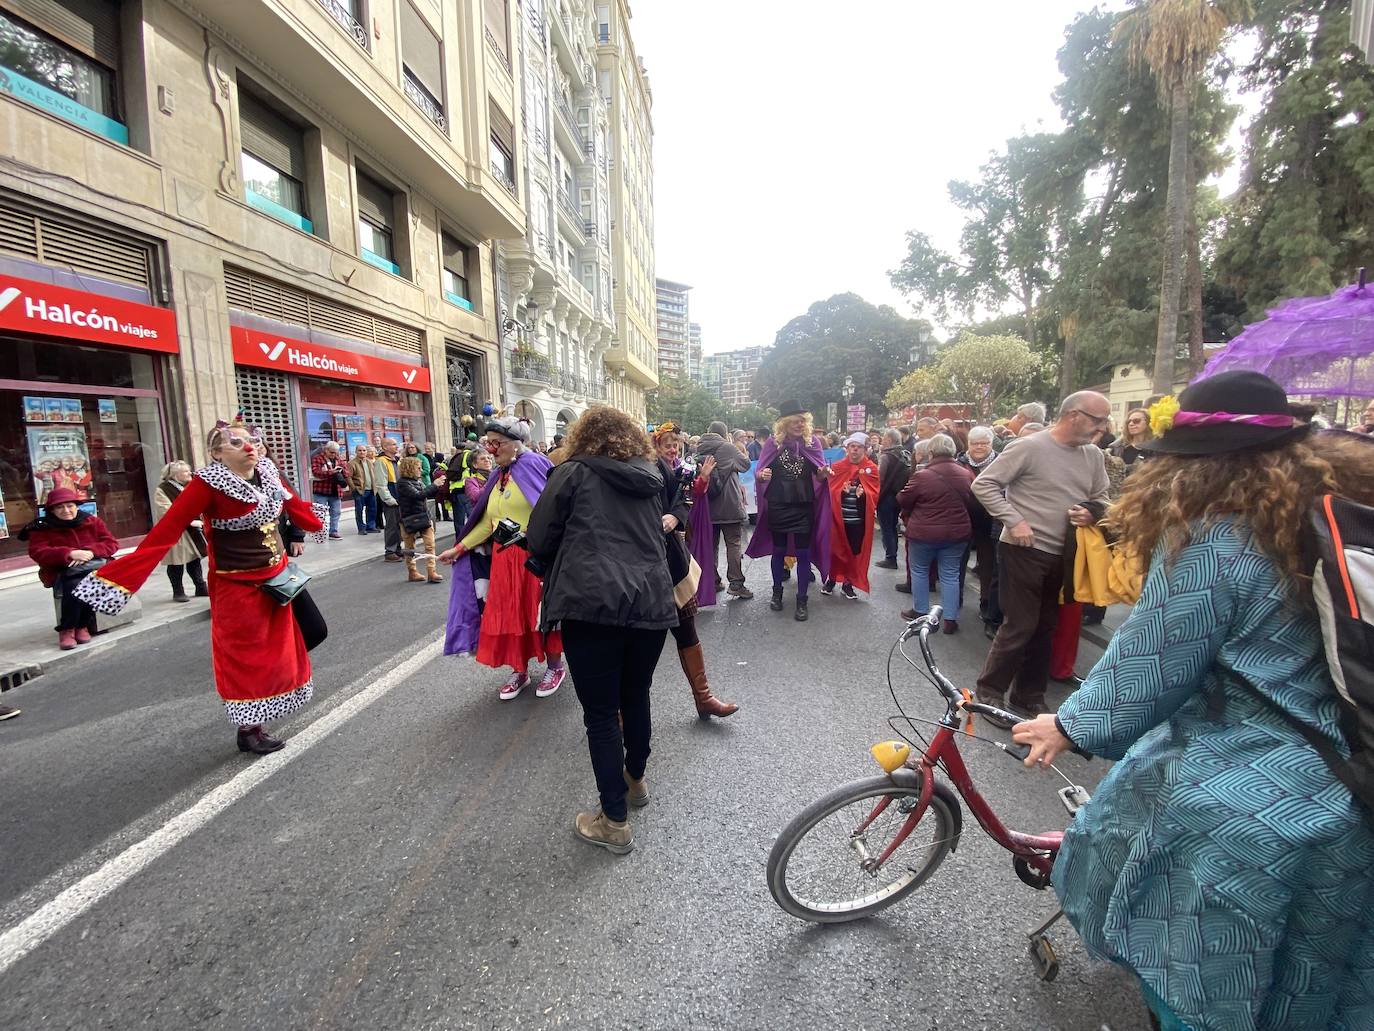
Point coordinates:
pixel 511 688
pixel 553 680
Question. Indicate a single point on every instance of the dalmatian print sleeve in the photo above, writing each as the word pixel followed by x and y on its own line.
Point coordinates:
pixel 101 595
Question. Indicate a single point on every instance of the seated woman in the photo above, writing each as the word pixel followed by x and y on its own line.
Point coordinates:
pixel 68 543
pixel 505 631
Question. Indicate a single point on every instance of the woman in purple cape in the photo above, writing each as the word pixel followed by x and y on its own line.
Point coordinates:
pixel 505 630
pixel 793 503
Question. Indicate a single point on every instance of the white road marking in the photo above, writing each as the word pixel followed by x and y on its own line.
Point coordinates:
pixel 48 919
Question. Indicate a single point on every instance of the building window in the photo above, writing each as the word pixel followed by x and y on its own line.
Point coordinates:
pixel 351 18
pixel 62 58
pixel 455 273
pixel 376 219
pixel 422 65
pixel 273 158
pixel 497 24
pixel 502 149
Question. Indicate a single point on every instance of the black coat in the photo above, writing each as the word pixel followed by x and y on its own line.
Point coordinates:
pixel 598 528
pixel 675 495
pixel 411 495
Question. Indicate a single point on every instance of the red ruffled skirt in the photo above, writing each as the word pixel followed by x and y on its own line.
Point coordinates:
pixel 510 633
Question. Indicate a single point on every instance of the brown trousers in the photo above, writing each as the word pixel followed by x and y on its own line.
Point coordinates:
pixel 1019 661
pixel 425 553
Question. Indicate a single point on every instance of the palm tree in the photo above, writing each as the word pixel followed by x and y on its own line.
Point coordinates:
pixel 1176 39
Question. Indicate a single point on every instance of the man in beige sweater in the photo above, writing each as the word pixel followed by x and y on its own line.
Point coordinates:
pixel 1036 490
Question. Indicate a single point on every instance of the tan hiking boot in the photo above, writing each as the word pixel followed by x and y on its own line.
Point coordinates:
pixel 638 795
pixel 596 829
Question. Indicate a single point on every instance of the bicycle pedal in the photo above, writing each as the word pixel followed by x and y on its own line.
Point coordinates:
pixel 1074 797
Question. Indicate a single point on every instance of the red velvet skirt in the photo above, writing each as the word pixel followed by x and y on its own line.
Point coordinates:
pixel 510 633
pixel 262 670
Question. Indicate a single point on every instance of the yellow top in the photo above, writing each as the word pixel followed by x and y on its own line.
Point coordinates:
pixel 504 502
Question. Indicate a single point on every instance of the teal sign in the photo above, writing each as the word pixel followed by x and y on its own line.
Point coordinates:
pixel 38 95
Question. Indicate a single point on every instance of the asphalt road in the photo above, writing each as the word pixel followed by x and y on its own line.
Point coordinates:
pixel 416 867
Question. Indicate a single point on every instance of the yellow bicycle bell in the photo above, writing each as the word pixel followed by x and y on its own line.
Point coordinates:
pixel 891 755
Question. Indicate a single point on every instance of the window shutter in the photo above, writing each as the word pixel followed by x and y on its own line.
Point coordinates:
pixel 375 201
pixel 269 137
pixel 502 129
pixel 495 23
pixel 455 256
pixel 90 26
pixel 420 52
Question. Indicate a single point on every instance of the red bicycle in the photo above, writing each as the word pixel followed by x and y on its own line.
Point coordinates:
pixel 872 842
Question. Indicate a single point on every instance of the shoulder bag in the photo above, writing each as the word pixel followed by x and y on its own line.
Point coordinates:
pixel 284 587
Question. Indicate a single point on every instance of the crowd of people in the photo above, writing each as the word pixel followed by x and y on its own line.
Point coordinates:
pixel 1221 811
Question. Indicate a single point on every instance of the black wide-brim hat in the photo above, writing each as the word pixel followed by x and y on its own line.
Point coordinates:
pixel 1230 412
pixel 791 408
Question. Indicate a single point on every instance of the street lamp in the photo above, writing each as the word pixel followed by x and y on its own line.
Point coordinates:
pixel 848 391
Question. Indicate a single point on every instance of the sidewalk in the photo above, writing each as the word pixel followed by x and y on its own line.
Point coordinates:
pixel 28 643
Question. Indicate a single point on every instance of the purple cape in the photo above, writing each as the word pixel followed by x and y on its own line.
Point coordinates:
pixel 761 544
pixel 700 542
pixel 530 471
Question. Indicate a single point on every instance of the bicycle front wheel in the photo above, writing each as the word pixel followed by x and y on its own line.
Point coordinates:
pixel 822 867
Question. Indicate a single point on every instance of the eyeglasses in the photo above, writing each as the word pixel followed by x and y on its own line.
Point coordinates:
pixel 1098 420
pixel 239 443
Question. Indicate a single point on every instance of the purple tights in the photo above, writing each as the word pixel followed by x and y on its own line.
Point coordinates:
pixel 803 570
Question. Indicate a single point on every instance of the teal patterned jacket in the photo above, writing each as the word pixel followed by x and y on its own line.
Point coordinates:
pixel 1220 859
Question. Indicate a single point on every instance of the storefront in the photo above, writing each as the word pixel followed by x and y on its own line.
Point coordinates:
pixel 303 393
pixel 81 377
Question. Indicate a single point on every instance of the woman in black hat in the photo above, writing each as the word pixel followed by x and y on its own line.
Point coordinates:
pixel 1221 859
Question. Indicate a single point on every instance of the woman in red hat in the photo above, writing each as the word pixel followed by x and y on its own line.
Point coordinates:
pixel 68 543
pixel 258 651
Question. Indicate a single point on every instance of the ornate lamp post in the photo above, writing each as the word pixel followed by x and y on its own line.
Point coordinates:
pixel 848 391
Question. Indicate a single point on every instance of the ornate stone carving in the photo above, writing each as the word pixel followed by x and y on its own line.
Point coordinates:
pixel 219 79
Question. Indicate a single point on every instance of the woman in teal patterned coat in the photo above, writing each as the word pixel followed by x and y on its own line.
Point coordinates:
pixel 1220 859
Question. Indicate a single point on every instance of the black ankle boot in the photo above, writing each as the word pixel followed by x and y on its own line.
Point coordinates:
pixel 776 603
pixel 258 741
pixel 800 617
pixel 202 591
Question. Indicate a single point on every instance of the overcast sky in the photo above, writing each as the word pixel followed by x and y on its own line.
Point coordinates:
pixel 796 142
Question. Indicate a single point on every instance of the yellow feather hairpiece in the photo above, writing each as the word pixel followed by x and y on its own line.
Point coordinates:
pixel 1162 414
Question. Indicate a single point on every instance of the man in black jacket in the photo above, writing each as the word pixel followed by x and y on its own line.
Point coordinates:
pixel 726 499
pixel 894 468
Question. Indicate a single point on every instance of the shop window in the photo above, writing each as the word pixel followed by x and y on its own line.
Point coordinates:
pixel 455 275
pixel 63 56
pixel 422 64
pixel 273 162
pixel 376 221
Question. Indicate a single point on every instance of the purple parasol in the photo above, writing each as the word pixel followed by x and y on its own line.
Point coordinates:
pixel 1310 345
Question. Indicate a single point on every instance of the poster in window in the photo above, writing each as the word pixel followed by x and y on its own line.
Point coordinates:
pixel 319 427
pixel 53 407
pixel 58 458
pixel 4 527
pixel 108 411
pixel 392 423
pixel 34 410
pixel 356 442
pixel 71 410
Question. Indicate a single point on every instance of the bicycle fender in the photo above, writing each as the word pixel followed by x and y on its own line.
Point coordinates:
pixel 906 777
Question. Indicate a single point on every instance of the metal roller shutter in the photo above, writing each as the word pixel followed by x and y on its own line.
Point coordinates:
pixel 265 398
pixel 252 293
pixel 89 26
pixel 420 51
pixel 376 203
pixel 269 137
pixel 67 241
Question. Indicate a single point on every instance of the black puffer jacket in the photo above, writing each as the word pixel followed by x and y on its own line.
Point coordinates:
pixel 412 495
pixel 598 527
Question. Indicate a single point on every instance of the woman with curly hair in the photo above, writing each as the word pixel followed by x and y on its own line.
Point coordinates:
pixel 793 504
pixel 598 532
pixel 493 607
pixel 1221 859
pixel 682 492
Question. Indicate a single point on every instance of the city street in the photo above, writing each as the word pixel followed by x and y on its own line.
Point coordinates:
pixel 408 860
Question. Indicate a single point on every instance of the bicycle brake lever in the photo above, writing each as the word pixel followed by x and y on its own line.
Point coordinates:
pixel 1020 752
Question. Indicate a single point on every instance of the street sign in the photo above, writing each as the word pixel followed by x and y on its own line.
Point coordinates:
pixel 855 417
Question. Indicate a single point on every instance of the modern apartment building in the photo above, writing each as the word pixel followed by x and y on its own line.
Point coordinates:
pixel 559 277
pixel 674 337
pixel 632 359
pixel 693 350
pixel 730 375
pixel 283 206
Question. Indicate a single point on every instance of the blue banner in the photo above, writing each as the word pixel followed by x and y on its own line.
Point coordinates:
pixel 16 85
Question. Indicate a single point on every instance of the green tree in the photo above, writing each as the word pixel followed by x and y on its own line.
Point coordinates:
pixel 752 417
pixel 838 337
pixel 1177 40
pixel 983 371
pixel 1302 222
pixel 918 387
pixel 690 406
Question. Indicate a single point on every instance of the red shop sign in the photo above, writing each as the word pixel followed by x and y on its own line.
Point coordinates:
pixel 270 351
pixel 56 311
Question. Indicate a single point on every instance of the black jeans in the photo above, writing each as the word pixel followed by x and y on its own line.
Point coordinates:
pixel 612 668
pixel 174 574
pixel 888 516
pixel 390 518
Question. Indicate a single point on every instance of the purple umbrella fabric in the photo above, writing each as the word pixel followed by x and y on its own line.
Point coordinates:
pixel 1310 345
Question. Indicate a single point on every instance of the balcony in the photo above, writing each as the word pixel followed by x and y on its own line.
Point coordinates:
pixel 348 23
pixel 533 368
pixel 579 144
pixel 419 96
pixel 497 50
pixel 499 173
pixel 567 210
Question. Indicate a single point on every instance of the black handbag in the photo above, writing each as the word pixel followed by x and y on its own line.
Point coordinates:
pixel 284 587
pixel 416 522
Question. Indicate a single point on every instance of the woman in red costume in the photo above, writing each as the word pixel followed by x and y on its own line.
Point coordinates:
pixel 262 669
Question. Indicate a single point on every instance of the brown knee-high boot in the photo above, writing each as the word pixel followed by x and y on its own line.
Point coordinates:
pixel 694 665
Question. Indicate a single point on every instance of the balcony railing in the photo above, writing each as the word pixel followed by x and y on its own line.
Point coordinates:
pixel 532 370
pixel 503 177
pixel 420 97
pixel 596 390
pixel 498 49
pixel 350 24
pixel 565 109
